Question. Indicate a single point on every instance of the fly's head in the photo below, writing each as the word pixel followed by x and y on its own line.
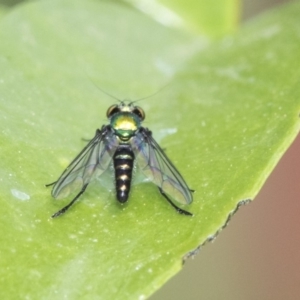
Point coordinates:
pixel 125 119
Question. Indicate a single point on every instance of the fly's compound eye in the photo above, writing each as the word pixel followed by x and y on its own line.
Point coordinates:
pixel 139 112
pixel 112 110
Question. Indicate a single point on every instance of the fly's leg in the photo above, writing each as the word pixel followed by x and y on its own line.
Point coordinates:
pixel 85 140
pixel 178 209
pixel 49 184
pixel 64 209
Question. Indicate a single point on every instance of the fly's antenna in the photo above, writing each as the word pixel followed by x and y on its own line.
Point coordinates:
pixel 132 102
pixel 103 91
pixel 140 99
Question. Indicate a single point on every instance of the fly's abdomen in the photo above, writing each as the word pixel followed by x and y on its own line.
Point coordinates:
pixel 123 164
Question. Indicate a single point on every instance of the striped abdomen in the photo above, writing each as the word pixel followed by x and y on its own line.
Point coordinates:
pixel 123 163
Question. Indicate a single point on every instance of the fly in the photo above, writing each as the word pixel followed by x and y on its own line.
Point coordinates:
pixel 121 146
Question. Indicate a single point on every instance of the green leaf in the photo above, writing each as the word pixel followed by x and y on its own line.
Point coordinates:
pixel 226 119
pixel 3 10
pixel 211 18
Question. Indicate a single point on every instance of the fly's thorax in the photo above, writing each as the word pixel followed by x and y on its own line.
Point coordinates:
pixel 125 125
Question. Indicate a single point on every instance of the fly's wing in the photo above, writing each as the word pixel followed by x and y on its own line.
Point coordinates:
pixel 89 164
pixel 156 167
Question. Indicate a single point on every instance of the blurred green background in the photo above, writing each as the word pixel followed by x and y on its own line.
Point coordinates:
pixel 257 256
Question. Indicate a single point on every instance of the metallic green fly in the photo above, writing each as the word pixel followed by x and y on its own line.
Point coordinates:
pixel 123 146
